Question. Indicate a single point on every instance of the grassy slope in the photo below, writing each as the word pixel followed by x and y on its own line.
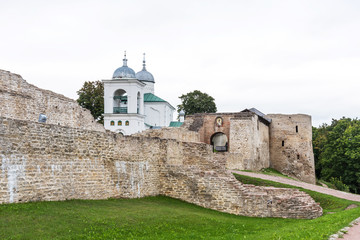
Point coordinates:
pixel 161 218
pixel 153 218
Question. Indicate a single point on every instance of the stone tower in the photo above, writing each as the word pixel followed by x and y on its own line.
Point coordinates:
pixel 291 150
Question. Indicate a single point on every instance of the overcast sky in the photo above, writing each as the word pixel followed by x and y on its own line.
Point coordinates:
pixel 277 56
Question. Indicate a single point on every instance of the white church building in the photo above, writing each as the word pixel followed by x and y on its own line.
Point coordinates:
pixel 130 105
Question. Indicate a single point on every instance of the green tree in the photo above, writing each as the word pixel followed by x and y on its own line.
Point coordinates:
pixel 319 139
pixel 91 96
pixel 337 152
pixel 196 102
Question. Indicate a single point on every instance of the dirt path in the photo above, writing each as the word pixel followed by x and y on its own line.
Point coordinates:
pixel 329 191
pixel 353 232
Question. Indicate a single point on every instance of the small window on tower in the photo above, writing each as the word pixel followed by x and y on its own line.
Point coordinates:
pixel 119 123
pixel 127 123
pixel 282 143
pixel 298 156
pixel 112 123
pixel 297 129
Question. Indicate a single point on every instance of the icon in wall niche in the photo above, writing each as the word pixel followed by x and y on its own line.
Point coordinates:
pixel 219 121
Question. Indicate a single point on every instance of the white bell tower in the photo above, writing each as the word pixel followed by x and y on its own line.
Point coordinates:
pixel 124 101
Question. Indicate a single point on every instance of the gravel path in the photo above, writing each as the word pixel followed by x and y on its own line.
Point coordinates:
pixel 353 232
pixel 329 191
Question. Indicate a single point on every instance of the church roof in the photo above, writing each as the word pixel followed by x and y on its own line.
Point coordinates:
pixel 175 124
pixel 144 75
pixel 260 114
pixel 124 71
pixel 149 97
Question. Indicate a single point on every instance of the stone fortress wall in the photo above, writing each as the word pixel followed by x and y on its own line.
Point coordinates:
pixel 205 125
pixel 21 100
pixel 255 143
pixel 41 161
pixel 52 161
pixel 249 148
pixel 248 137
pixel 291 146
pixel 179 134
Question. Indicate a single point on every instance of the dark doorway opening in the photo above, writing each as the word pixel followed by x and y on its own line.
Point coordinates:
pixel 219 141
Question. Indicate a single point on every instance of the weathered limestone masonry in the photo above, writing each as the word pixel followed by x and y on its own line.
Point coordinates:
pixel 179 134
pixel 203 180
pixel 206 126
pixel 21 100
pixel 291 146
pixel 283 142
pixel 248 137
pixel 50 162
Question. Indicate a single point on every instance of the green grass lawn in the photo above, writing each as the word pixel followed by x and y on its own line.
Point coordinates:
pixel 159 218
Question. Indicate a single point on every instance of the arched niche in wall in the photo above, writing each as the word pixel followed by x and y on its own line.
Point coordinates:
pixel 219 122
pixel 219 141
pixel 121 132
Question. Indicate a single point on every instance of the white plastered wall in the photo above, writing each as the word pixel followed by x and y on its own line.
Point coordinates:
pixel 158 113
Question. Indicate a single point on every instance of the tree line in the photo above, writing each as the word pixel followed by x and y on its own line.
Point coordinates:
pixel 337 153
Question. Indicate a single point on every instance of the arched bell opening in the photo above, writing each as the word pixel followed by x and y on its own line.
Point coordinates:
pixel 120 101
pixel 138 102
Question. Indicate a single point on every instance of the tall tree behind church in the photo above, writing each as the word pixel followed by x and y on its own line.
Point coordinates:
pixel 196 102
pixel 91 96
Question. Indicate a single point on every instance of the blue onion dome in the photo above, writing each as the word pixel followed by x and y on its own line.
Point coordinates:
pixel 124 71
pixel 144 75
